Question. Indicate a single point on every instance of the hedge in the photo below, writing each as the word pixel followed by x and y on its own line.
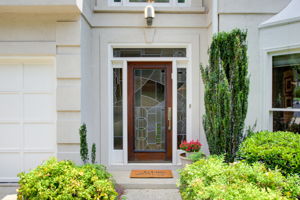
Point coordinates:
pixel 275 149
pixel 213 179
pixel 65 180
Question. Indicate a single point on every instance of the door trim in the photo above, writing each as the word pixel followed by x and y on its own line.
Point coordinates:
pixel 149 156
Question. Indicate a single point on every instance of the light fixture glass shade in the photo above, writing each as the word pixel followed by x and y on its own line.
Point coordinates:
pixel 149 11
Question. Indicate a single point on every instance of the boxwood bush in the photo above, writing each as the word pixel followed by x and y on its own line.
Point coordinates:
pixel 64 180
pixel 213 179
pixel 275 149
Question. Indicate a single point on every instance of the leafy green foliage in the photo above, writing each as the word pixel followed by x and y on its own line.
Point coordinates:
pixel 196 156
pixel 275 149
pixel 64 180
pixel 84 152
pixel 227 86
pixel 93 155
pixel 213 179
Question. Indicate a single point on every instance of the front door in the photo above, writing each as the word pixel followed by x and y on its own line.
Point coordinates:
pixel 149 111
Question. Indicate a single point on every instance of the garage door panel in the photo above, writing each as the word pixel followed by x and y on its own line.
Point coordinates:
pixel 10 77
pixel 39 136
pixel 10 106
pixel 27 114
pixel 10 136
pixel 38 77
pixel 10 165
pixel 32 160
pixel 38 107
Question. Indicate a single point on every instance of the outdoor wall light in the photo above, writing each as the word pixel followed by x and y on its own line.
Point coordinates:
pixel 149 14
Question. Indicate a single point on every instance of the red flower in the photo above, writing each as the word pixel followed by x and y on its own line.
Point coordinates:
pixel 192 146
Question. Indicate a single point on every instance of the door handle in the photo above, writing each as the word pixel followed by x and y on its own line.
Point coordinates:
pixel 169 118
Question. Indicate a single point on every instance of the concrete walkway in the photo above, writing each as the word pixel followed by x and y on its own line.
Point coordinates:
pixel 147 188
pixel 8 191
pixel 152 194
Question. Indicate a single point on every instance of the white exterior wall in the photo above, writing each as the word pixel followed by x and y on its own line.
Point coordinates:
pixel 248 15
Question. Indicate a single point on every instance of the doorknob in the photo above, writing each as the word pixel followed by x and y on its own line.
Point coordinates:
pixel 169 118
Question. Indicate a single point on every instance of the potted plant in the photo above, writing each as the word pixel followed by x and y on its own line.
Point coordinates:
pixel 189 148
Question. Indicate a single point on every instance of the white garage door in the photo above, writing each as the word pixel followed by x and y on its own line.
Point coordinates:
pixel 27 115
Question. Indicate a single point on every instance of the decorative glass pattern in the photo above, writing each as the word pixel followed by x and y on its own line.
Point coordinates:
pixel 149 109
pixel 286 121
pixel 149 52
pixel 286 81
pixel 181 105
pixel 145 1
pixel 118 108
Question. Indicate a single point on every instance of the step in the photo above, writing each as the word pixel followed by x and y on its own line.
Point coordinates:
pixel 123 178
pixel 152 194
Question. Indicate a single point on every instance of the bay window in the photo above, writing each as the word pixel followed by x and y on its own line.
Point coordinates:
pixel 286 92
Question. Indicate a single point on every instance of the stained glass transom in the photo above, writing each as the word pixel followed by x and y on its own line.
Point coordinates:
pixel 149 52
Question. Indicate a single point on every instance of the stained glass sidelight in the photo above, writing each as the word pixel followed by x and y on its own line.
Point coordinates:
pixel 118 108
pixel 149 109
pixel 181 105
pixel 149 52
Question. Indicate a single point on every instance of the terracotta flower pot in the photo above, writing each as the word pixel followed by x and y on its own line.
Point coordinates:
pixel 185 160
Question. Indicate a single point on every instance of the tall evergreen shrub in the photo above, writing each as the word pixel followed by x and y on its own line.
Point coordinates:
pixel 93 155
pixel 226 92
pixel 84 152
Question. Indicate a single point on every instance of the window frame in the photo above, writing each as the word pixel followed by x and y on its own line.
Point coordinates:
pixel 171 3
pixel 271 110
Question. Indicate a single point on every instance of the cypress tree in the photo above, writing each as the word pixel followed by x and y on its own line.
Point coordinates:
pixel 93 155
pixel 226 92
pixel 84 152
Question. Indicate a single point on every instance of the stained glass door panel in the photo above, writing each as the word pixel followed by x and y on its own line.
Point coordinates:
pixel 149 109
pixel 149 104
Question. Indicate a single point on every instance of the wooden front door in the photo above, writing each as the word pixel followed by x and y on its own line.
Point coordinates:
pixel 149 111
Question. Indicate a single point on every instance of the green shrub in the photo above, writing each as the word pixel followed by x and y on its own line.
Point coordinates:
pixel 275 149
pixel 213 179
pixel 196 156
pixel 64 180
pixel 84 151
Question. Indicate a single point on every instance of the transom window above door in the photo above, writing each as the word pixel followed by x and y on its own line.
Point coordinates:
pixel 141 2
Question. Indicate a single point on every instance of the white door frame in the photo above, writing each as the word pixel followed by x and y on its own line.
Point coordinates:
pixel 120 157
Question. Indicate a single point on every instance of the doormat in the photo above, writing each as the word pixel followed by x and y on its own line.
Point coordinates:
pixel 151 174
